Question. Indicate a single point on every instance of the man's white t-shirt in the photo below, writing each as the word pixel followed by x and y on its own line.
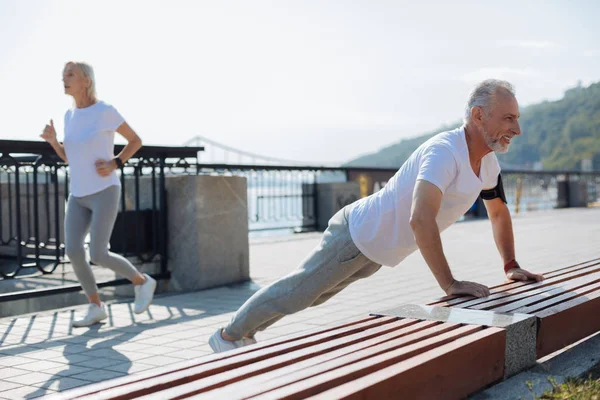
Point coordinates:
pixel 379 224
pixel 89 136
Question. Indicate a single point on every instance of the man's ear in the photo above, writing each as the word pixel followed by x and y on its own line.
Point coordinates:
pixel 477 115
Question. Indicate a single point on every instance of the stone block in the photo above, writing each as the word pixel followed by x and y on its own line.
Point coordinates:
pixel 208 231
pixel 521 329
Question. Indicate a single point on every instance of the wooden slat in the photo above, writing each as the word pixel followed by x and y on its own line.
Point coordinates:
pixel 322 381
pixel 370 359
pixel 562 290
pixel 455 300
pixel 452 371
pixel 571 267
pixel 556 301
pixel 293 372
pixel 184 365
pixel 165 381
pixel 256 384
pixel 514 302
pixel 568 322
pixel 466 302
pixel 206 380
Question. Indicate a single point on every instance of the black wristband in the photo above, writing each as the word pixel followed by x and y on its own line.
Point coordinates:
pixel 119 162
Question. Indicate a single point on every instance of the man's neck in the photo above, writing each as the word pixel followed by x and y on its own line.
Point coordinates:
pixel 476 144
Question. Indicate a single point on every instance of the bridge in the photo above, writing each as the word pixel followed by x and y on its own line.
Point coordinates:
pixel 219 153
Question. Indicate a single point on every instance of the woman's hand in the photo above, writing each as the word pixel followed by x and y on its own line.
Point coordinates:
pixel 104 167
pixel 49 134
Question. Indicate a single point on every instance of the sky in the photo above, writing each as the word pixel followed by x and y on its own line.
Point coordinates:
pixel 316 81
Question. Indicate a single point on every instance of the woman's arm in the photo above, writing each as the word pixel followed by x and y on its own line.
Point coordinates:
pixel 49 136
pixel 134 143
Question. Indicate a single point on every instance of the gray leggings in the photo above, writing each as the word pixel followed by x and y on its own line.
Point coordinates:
pixel 95 214
pixel 334 264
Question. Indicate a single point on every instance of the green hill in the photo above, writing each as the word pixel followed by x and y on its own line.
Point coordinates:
pixel 559 134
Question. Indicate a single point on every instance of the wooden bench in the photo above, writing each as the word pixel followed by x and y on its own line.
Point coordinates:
pixel 374 357
pixel 566 303
pixel 380 357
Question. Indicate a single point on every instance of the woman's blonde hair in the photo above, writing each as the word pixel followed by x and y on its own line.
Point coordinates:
pixel 88 72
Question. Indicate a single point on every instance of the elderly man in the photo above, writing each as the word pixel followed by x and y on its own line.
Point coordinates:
pixel 432 190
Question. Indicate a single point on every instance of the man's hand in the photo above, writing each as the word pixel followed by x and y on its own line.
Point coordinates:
pixel 467 288
pixel 519 274
pixel 104 168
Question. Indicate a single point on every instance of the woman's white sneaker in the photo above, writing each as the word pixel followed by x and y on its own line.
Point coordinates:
pixel 94 315
pixel 143 295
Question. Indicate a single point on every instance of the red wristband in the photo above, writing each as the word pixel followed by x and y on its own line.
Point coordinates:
pixel 510 265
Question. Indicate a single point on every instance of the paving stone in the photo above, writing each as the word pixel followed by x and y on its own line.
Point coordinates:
pixel 67 370
pixel 100 362
pixel 62 383
pixel 130 368
pixel 98 375
pixel 70 358
pixel 25 392
pixel 10 372
pixel 6 385
pixel 161 360
pixel 39 365
pixel 14 361
pixel 30 378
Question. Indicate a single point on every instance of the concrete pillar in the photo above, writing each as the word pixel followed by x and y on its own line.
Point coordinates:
pixel 208 231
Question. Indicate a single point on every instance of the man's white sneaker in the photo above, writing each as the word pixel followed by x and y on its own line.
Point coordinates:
pixel 94 315
pixel 143 295
pixel 219 345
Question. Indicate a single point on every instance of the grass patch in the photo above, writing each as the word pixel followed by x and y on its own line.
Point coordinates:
pixel 573 389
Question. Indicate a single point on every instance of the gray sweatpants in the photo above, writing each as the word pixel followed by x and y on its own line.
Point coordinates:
pixel 334 264
pixel 95 214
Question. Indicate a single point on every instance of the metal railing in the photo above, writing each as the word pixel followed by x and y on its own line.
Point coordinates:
pixel 279 197
pixel 34 189
pixel 525 190
pixel 33 193
pixel 543 190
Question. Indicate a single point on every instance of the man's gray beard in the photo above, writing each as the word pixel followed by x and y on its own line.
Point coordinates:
pixel 495 145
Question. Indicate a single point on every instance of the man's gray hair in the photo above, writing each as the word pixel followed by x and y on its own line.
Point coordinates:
pixel 483 95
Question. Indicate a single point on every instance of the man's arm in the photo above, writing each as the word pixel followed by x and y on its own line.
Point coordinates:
pixel 427 199
pixel 503 235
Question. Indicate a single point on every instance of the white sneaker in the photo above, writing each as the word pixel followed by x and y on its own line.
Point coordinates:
pixel 219 345
pixel 249 340
pixel 94 315
pixel 143 295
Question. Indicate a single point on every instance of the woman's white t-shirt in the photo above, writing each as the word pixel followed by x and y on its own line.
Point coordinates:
pixel 379 224
pixel 89 136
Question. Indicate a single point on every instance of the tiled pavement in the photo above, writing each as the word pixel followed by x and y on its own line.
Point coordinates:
pixel 41 354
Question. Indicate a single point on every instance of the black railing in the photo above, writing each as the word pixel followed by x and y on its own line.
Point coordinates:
pixel 279 197
pixel 525 190
pixel 34 189
pixel 33 194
